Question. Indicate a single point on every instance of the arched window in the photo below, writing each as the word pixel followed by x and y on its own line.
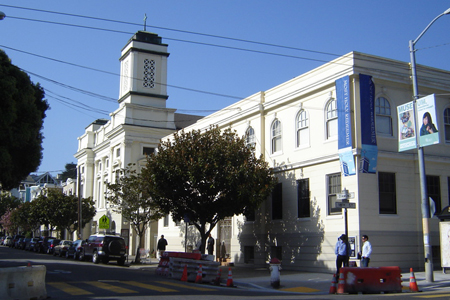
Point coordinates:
pixel 447 124
pixel 250 137
pixel 331 119
pixel 383 116
pixel 302 128
pixel 276 136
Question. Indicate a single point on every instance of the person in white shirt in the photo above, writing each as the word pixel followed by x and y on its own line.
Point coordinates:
pixel 366 251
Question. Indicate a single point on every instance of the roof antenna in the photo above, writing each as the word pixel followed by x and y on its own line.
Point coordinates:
pixel 145 22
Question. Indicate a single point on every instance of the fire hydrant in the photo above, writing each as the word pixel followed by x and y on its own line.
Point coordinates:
pixel 275 268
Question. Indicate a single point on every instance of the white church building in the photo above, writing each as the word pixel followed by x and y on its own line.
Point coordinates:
pixel 333 128
pixel 133 131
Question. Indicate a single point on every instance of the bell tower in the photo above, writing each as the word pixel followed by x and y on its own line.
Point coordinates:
pixel 143 71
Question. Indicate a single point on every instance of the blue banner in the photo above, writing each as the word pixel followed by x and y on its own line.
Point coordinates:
pixel 344 126
pixel 369 149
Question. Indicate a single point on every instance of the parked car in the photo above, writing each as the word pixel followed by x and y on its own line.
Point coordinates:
pixel 18 243
pixel 2 239
pixel 51 243
pixel 7 241
pixel 15 239
pixel 23 243
pixel 61 248
pixel 34 245
pixel 30 244
pixel 104 248
pixel 43 244
pixel 75 249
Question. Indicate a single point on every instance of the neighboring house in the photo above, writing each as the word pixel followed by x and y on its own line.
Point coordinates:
pixel 295 127
pixel 33 185
pixel 133 131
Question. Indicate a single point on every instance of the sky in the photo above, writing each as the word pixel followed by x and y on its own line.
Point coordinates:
pixel 220 51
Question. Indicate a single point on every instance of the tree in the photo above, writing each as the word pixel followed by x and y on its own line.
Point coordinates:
pixel 22 111
pixel 25 217
pixel 7 202
pixel 206 177
pixel 70 172
pixel 57 210
pixel 128 197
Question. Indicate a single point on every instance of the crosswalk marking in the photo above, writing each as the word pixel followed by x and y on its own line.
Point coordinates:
pixel 186 286
pixel 148 286
pixel 69 289
pixel 110 287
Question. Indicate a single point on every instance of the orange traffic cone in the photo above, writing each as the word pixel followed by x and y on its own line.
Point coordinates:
pixel 219 273
pixel 198 279
pixel 341 285
pixel 184 276
pixel 333 285
pixel 412 282
pixel 230 278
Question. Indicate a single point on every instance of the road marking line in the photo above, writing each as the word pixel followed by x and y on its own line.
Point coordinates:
pixel 300 289
pixel 110 287
pixel 69 289
pixel 148 286
pixel 433 296
pixel 186 286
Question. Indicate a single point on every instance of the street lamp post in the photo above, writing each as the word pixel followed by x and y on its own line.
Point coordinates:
pixel 423 180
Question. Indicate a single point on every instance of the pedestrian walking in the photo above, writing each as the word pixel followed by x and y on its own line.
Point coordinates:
pixel 162 243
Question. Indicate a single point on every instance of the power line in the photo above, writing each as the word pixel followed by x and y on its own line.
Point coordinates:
pixel 177 30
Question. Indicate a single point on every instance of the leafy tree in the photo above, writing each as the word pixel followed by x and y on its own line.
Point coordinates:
pixel 7 202
pixel 57 210
pixel 127 196
pixel 207 177
pixel 7 223
pixel 25 217
pixel 70 172
pixel 22 111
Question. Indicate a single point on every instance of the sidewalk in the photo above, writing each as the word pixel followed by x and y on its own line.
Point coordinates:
pixel 251 277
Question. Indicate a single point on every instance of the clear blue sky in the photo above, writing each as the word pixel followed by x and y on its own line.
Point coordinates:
pixel 326 29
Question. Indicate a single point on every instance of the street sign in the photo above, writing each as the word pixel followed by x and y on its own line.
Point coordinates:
pixel 345 205
pixel 103 222
pixel 345 196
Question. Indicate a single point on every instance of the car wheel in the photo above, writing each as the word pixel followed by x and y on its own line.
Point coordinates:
pixel 121 261
pixel 95 258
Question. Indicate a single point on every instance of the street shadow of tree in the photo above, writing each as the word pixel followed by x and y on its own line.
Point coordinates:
pixel 297 242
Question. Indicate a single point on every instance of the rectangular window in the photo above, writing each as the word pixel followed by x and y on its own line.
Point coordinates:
pixel 334 188
pixel 118 152
pixel 277 202
pixel 387 193
pixel 434 192
pixel 448 188
pixel 303 199
pixel 148 150
pixel 249 254
pixel 166 221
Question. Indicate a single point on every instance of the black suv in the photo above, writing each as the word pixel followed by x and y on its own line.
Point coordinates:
pixel 104 248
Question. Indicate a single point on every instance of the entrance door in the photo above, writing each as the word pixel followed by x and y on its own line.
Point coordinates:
pixel 224 238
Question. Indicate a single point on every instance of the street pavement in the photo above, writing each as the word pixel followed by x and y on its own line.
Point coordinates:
pixel 291 281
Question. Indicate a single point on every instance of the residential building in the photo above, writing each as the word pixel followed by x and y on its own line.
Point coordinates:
pixel 295 126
